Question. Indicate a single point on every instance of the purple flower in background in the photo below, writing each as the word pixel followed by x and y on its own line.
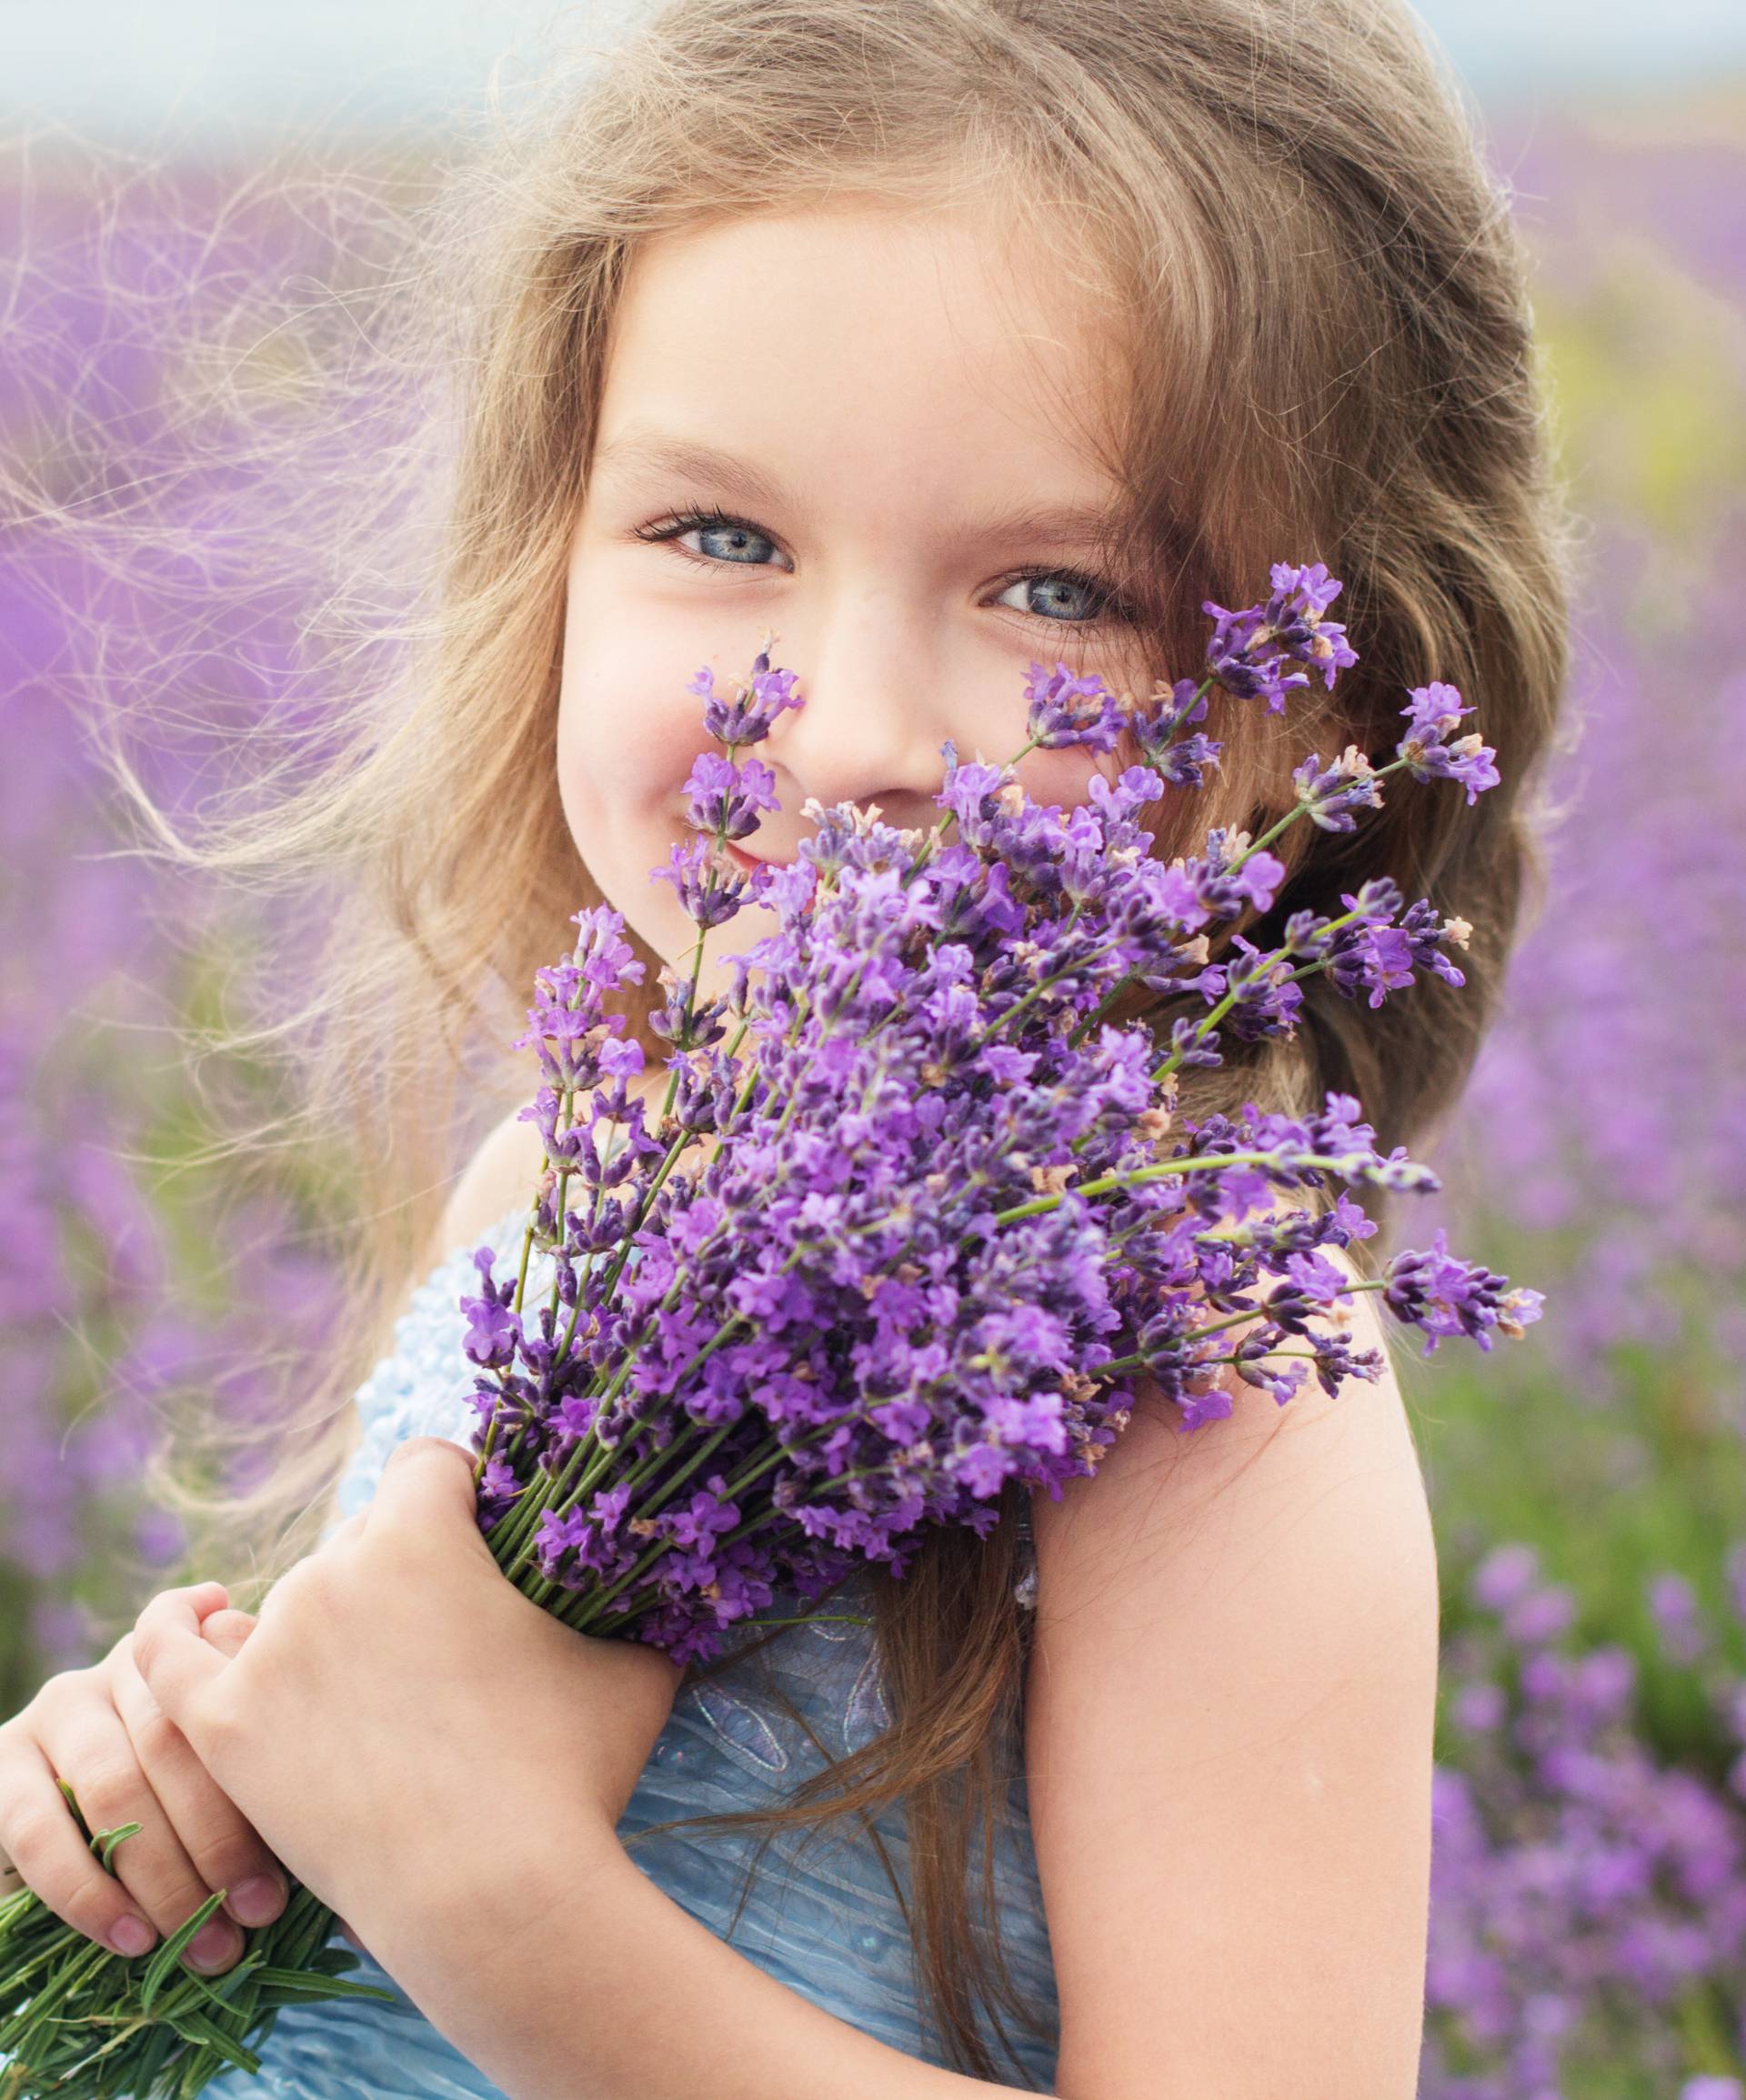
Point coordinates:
pixel 133 1276
pixel 1570 1868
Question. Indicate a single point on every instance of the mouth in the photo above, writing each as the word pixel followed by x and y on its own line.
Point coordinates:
pixel 747 862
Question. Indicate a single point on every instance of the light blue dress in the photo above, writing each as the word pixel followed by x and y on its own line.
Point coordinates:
pixel 829 1927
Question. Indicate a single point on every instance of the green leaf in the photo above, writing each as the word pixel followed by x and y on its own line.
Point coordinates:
pixel 166 1958
pixel 110 1839
pixel 72 1802
pixel 220 1989
pixel 196 2026
pixel 108 2048
pixel 157 2052
pixel 301 1982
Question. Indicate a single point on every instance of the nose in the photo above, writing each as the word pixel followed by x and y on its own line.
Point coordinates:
pixel 876 713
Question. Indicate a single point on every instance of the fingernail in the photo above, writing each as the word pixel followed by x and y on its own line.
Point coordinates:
pixel 257 1901
pixel 213 1945
pixel 131 1935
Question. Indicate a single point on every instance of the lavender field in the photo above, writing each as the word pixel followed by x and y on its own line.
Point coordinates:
pixel 1589 1915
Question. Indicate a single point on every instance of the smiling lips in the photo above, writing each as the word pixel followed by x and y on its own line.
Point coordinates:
pixel 748 861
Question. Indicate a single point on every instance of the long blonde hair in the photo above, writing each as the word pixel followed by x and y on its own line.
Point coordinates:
pixel 1322 347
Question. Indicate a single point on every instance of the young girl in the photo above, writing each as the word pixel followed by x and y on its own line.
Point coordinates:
pixel 934 337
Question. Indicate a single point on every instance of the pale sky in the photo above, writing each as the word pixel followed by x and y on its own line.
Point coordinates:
pixel 169 70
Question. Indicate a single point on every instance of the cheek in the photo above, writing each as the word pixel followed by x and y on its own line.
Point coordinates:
pixel 582 762
pixel 627 735
pixel 599 704
pixel 1062 778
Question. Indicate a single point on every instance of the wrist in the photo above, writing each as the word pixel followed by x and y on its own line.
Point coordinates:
pixel 477 1895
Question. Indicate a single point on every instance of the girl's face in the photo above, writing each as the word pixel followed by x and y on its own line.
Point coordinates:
pixel 872 403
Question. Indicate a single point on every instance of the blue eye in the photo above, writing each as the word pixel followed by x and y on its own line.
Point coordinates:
pixel 673 528
pixel 705 522
pixel 1109 605
pixel 1060 580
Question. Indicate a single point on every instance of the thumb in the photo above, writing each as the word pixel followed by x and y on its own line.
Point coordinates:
pixel 227 1630
pixel 428 1481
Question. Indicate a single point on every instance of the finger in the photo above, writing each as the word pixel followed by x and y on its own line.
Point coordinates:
pixel 171 1656
pixel 205 1597
pixel 49 1856
pixel 426 1480
pixel 90 1748
pixel 226 1850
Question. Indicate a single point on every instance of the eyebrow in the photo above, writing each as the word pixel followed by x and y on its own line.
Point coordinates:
pixel 1084 525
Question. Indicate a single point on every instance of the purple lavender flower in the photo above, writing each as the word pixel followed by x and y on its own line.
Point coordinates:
pixel 1056 715
pixel 1250 649
pixel 1242 660
pixel 1446 1296
pixel 1334 791
pixel 1432 712
pixel 494 1328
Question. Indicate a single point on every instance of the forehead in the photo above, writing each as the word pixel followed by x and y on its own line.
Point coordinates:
pixel 923 357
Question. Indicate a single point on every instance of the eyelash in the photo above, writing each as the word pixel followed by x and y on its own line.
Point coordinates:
pixel 671 528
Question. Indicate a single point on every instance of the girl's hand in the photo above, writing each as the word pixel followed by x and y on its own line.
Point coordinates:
pixel 101 1731
pixel 397 1688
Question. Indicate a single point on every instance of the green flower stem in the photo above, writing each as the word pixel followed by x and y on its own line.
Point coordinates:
pixel 1314 801
pixel 1196 1163
pixel 589 1603
pixel 594 1598
pixel 543 1588
pixel 1239 1319
pixel 594 1460
pixel 1214 1015
pixel 1075 969
pixel 567 1111
pixel 589 1453
pixel 591 1459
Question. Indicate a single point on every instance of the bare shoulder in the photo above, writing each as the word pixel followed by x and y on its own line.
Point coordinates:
pixel 1180 1478
pixel 501 1173
pixel 1230 1710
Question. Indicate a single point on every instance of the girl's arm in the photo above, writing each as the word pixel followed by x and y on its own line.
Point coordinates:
pixel 1229 1716
pixel 571 1976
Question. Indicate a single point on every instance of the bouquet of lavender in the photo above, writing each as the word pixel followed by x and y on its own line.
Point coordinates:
pixel 948 1217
